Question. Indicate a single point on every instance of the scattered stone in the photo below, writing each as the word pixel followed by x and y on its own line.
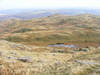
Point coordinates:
pixel 58 63
pixel 25 59
pixel 58 51
pixel 12 57
pixel 11 62
pixel 54 54
pixel 40 61
pixel 72 51
pixel 84 49
pixel 13 53
pixel 87 62
pixel 91 48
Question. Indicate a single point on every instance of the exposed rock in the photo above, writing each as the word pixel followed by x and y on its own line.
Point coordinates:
pixel 15 46
pixel 25 59
pixel 11 57
pixel 11 62
pixel 84 49
pixel 91 48
pixel 19 46
pixel 58 51
pixel 87 62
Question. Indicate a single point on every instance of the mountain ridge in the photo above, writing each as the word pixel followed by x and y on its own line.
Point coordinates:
pixel 31 13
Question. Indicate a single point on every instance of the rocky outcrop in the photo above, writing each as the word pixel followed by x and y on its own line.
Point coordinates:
pixel 13 46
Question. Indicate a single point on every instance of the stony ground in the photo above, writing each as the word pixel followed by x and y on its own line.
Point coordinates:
pixel 19 59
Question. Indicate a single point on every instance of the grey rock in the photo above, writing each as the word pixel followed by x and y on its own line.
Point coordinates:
pixel 25 59
pixel 87 62
pixel 58 51
pixel 84 49
pixel 11 57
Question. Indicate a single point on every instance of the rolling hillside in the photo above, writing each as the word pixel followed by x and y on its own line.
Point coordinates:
pixel 55 29
pixel 26 46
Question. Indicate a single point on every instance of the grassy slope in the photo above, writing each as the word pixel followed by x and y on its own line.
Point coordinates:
pixel 43 60
pixel 55 29
pixel 47 61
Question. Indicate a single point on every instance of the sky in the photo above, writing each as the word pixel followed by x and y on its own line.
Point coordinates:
pixel 51 4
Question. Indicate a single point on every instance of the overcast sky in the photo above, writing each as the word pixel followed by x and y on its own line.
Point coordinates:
pixel 11 4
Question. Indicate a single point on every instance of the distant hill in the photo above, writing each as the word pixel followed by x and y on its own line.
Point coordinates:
pixel 32 13
pixel 52 29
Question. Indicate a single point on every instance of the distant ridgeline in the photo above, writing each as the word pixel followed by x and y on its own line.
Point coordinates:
pixel 31 13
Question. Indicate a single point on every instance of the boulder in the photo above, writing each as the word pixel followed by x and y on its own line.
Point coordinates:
pixel 84 49
pixel 25 59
